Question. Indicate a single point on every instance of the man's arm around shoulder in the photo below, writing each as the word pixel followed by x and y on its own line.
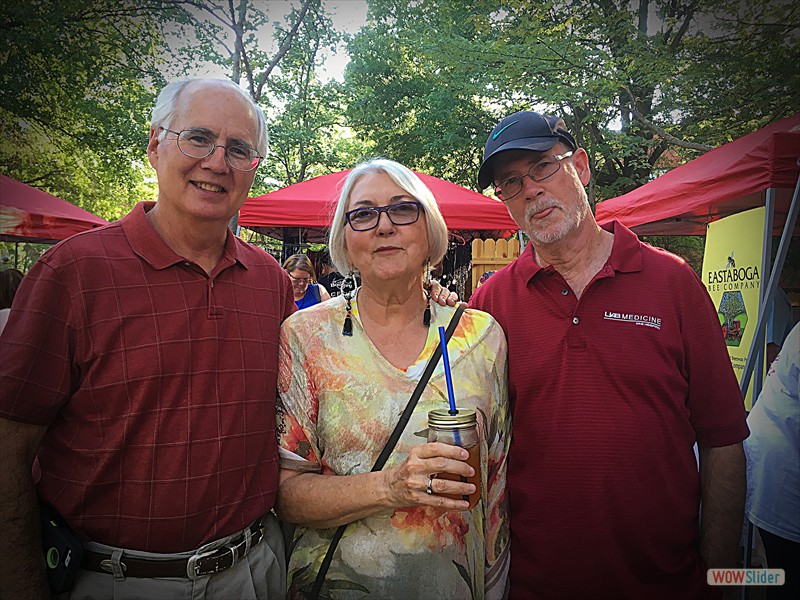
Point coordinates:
pixel 22 573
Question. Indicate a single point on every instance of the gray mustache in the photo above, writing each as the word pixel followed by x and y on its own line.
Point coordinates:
pixel 535 208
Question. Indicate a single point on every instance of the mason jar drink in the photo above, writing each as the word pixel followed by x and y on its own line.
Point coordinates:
pixel 460 429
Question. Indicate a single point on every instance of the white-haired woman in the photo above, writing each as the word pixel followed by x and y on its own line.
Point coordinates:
pixel 347 370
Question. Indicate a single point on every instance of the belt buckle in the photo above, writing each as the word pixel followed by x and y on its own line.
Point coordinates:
pixel 194 568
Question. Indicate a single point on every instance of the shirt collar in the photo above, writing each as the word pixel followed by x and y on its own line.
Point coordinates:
pixel 147 244
pixel 526 263
pixel 626 253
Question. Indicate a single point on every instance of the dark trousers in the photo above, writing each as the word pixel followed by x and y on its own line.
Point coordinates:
pixel 782 554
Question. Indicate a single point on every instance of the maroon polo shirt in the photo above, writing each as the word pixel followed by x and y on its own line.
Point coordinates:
pixel 609 393
pixel 157 383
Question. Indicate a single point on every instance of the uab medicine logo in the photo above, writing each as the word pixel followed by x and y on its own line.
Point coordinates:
pixel 731 280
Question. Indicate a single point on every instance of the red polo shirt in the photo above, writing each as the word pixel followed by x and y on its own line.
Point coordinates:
pixel 609 393
pixel 157 383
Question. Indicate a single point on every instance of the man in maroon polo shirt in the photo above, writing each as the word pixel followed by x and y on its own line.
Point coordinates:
pixel 139 365
pixel 616 368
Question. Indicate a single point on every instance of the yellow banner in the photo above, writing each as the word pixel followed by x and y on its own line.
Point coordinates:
pixel 732 274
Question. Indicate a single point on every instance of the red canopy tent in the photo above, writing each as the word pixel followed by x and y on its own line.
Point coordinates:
pixel 28 214
pixel 309 206
pixel 726 180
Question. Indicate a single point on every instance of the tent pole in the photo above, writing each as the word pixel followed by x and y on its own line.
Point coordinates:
pixel 234 224
pixel 759 343
pixel 767 296
pixel 766 299
pixel 783 248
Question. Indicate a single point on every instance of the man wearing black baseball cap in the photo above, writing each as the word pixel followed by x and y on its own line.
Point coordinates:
pixel 523 130
pixel 616 368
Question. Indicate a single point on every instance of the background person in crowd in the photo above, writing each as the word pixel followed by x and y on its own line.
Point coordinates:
pixel 779 323
pixel 9 282
pixel 331 278
pixel 302 275
pixel 773 466
pixel 616 367
pixel 340 396
pixel 140 362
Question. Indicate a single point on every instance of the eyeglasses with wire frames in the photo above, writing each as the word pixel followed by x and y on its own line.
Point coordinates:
pixel 538 171
pixel 299 280
pixel 368 217
pixel 197 143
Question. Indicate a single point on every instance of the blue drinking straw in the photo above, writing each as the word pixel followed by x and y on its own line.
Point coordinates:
pixel 448 377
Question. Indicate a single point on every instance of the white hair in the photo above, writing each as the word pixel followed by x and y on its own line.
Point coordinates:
pixel 408 181
pixel 163 113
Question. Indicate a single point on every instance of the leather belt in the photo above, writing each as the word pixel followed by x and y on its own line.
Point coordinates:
pixel 192 567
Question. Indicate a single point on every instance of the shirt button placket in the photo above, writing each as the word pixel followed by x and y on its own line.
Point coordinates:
pixel 210 298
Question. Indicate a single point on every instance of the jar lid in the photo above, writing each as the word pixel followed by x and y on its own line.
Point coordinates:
pixel 441 417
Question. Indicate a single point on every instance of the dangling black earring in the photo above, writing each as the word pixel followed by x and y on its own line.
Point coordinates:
pixel 349 285
pixel 426 316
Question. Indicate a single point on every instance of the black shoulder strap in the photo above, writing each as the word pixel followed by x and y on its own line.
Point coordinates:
pixel 412 402
pixel 390 443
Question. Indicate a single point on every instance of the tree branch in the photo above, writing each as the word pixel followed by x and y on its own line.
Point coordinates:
pixel 644 7
pixel 204 27
pixel 687 20
pixel 204 7
pixel 287 43
pixel 655 128
pixel 43 177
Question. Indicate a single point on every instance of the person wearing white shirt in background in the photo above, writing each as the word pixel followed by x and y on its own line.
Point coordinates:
pixel 773 466
pixel 779 323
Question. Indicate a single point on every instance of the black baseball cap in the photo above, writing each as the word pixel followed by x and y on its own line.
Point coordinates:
pixel 524 130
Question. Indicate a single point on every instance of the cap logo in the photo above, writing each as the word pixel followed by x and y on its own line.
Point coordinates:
pixel 494 137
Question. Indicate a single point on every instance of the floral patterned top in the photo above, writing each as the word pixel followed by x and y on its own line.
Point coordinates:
pixel 339 399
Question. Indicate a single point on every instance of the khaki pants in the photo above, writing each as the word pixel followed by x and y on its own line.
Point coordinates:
pixel 261 575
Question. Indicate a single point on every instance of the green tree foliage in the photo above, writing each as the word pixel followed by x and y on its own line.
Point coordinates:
pixel 231 35
pixel 78 79
pixel 20 255
pixel 689 247
pixel 644 84
pixel 411 90
pixel 75 91
pixel 309 137
pixel 278 61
